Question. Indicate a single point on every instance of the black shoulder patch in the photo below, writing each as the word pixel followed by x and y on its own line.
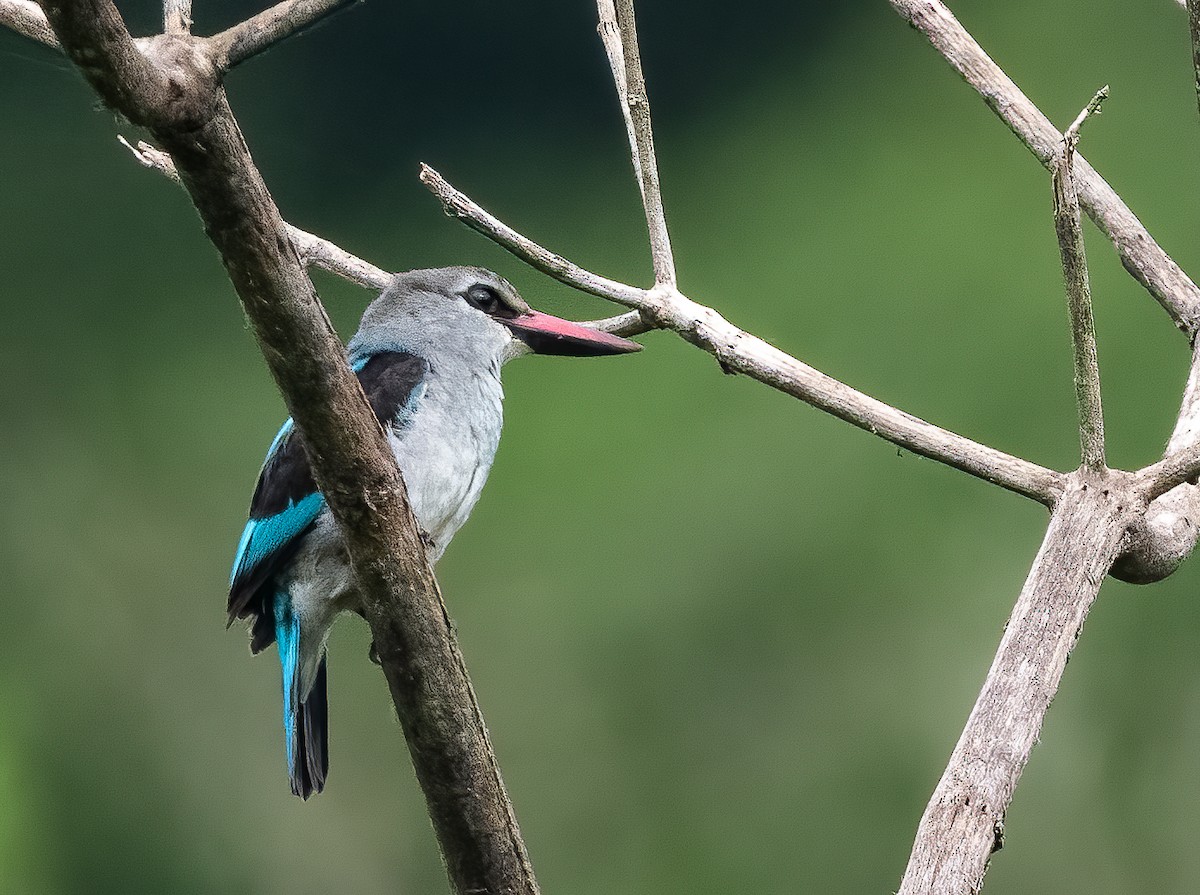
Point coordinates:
pixel 391 380
pixel 286 478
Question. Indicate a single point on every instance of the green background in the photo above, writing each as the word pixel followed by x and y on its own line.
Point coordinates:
pixel 724 643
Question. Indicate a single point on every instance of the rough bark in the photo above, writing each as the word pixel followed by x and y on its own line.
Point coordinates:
pixel 170 85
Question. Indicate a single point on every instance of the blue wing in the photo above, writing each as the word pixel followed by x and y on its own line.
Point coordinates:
pixel 286 501
pixel 285 505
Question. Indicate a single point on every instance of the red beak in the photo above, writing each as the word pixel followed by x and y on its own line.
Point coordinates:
pixel 545 334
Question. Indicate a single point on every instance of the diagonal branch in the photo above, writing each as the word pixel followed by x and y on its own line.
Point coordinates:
pixel 1079 294
pixel 1140 254
pixel 350 457
pixel 313 250
pixel 271 26
pixel 738 351
pixel 964 822
pixel 618 30
pixel 27 19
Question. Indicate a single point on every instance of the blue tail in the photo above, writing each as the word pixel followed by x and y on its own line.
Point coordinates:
pixel 305 723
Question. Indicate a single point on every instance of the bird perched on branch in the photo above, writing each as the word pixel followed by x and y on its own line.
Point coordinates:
pixel 428 354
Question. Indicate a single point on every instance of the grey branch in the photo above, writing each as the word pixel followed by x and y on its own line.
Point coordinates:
pixel 1193 8
pixel 1079 294
pixel 740 352
pixel 1168 534
pixel 1140 254
pixel 27 19
pixel 964 821
pixel 313 250
pixel 259 33
pixel 351 460
pixel 618 30
pixel 177 16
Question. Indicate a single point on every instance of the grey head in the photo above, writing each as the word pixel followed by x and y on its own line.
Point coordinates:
pixel 472 315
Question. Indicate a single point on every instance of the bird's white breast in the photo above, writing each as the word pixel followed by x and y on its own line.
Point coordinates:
pixel 445 450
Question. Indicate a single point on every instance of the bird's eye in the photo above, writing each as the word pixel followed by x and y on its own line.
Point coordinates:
pixel 484 298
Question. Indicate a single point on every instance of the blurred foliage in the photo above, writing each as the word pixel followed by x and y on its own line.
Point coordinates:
pixel 724 643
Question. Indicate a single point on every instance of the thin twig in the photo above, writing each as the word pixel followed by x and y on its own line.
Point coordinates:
pixel 1193 8
pixel 27 19
pixel 261 32
pixel 1079 295
pixel 177 16
pixel 740 352
pixel 313 250
pixel 458 205
pixel 618 30
pixel 1139 253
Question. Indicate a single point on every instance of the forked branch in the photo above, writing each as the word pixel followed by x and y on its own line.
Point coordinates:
pixel 1142 256
pixel 737 351
pixel 618 31
pixel 349 454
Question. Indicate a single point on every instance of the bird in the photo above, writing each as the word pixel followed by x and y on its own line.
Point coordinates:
pixel 428 355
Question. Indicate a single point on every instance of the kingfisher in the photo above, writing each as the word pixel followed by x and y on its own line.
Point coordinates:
pixel 428 355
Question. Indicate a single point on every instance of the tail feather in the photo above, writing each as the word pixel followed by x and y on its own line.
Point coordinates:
pixel 305 722
pixel 311 766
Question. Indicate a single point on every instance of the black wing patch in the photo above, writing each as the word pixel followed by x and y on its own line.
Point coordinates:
pixel 284 507
pixel 393 381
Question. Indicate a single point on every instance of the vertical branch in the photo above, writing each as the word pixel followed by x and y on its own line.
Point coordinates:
pixel 618 30
pixel 177 16
pixel 1079 296
pixel 1193 8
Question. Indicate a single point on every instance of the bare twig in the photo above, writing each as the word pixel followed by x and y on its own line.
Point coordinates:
pixel 964 822
pixel 1140 254
pixel 27 19
pixel 283 20
pixel 351 460
pixel 177 16
pixel 458 205
pixel 1193 8
pixel 618 30
pixel 1171 471
pixel 313 250
pixel 1079 295
pixel 740 352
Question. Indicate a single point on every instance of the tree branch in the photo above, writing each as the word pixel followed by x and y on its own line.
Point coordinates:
pixel 27 19
pixel 964 822
pixel 351 460
pixel 271 26
pixel 740 352
pixel 618 30
pixel 313 250
pixel 1079 294
pixel 1193 9
pixel 177 16
pixel 1140 254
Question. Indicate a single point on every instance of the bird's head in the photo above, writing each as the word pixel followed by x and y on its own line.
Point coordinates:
pixel 469 312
